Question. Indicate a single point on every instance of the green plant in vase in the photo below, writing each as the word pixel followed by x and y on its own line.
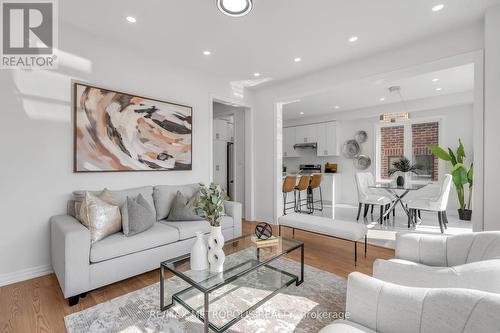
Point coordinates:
pixel 210 206
pixel 404 166
pixel 462 177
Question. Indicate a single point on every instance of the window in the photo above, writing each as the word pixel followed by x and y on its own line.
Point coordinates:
pixel 410 140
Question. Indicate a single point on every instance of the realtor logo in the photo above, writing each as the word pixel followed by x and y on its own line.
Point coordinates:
pixel 29 34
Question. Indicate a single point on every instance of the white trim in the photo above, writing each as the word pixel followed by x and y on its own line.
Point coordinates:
pixel 25 274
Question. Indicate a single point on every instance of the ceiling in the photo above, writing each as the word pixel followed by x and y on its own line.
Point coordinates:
pixel 272 35
pixel 370 91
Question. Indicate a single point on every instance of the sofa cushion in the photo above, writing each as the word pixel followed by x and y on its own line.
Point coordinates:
pixel 164 195
pixel 188 229
pixel 100 217
pixel 182 209
pixel 118 245
pixel 117 198
pixel 137 216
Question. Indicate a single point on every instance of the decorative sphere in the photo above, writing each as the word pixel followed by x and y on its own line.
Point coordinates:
pixel 263 231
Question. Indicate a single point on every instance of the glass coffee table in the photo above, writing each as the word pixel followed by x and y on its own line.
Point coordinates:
pixel 249 279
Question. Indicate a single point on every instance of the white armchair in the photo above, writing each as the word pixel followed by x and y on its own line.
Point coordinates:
pixel 368 196
pixel 469 260
pixel 437 203
pixel 377 306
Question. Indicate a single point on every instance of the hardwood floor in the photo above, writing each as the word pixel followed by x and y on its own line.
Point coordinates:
pixel 38 305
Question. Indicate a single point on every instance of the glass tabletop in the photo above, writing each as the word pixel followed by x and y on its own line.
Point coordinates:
pixel 249 257
pixel 394 186
pixel 252 274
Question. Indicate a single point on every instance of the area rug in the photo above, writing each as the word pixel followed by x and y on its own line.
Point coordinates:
pixel 305 308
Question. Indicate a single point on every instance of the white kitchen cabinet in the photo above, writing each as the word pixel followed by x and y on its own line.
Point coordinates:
pixel 327 139
pixel 289 142
pixel 220 130
pixel 306 134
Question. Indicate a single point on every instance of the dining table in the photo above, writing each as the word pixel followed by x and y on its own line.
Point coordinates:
pixel 397 192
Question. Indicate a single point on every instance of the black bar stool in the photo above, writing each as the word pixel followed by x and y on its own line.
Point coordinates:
pixel 315 184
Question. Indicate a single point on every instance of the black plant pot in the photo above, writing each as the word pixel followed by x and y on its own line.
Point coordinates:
pixel 400 181
pixel 465 215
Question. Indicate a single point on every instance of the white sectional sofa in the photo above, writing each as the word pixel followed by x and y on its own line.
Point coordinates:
pixel 81 267
pixel 470 260
pixel 378 306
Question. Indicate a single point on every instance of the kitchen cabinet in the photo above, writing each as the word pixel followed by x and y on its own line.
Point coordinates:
pixel 306 134
pixel 327 139
pixel 289 142
pixel 220 130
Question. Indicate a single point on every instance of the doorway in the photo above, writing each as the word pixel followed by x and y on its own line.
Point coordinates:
pixel 230 142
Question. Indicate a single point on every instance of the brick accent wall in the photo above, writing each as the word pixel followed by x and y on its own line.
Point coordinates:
pixel 422 136
pixel 392 145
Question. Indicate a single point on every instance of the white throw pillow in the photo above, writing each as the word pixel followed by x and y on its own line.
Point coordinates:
pixel 100 217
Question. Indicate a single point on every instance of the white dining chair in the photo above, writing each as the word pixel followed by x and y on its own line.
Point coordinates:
pixel 437 203
pixel 369 196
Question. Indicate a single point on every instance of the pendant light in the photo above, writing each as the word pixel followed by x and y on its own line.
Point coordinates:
pixel 235 8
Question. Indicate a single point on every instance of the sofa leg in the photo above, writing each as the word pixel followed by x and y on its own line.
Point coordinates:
pixel 73 300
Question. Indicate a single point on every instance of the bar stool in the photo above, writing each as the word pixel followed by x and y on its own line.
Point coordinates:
pixel 315 184
pixel 303 185
pixel 289 186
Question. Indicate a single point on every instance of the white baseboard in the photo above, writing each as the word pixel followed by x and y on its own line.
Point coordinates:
pixel 25 274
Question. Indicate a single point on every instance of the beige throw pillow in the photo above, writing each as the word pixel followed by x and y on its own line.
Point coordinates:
pixel 100 217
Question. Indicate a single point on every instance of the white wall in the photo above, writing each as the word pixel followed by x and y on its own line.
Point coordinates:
pixel 492 119
pixel 455 124
pixel 36 138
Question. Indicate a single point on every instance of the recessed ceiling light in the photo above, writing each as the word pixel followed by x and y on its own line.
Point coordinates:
pixel 207 53
pixel 435 80
pixel 297 59
pixel 131 19
pixel 256 74
pixel 235 8
pixel 353 39
pixel 301 112
pixel 439 89
pixel 382 99
pixel 437 8
pixel 337 107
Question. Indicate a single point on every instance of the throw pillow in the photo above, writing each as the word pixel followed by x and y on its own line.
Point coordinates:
pixel 100 217
pixel 182 209
pixel 137 215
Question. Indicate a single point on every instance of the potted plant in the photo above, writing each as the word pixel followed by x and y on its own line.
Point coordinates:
pixel 461 176
pixel 210 206
pixel 404 166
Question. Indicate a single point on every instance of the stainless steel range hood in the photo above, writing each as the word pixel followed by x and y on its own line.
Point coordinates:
pixel 312 145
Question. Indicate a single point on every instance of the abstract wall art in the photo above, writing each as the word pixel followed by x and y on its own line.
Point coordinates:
pixel 115 131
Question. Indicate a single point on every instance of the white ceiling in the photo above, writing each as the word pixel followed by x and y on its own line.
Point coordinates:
pixel 268 39
pixel 368 92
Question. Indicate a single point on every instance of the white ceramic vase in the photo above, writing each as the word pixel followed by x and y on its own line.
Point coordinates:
pixel 216 256
pixel 199 258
